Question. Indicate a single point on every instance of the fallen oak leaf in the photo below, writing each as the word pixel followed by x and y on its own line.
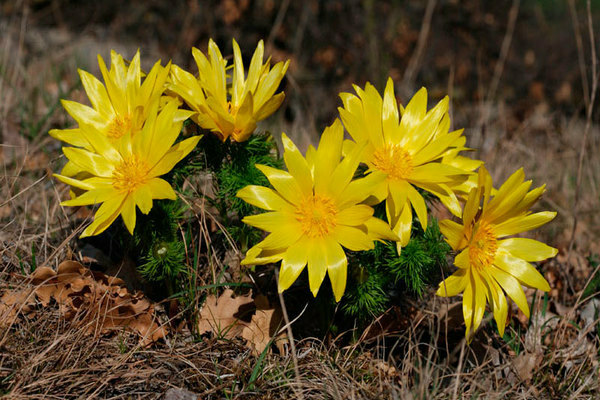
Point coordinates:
pixel 221 315
pixel 262 329
pixel 98 303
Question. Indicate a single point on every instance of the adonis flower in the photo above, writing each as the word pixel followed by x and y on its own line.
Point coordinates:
pixel 491 265
pixel 120 106
pixel 408 151
pixel 314 210
pixel 126 176
pixel 230 110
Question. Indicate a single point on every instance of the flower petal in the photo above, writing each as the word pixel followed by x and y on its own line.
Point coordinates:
pixel 511 286
pixel 523 223
pixel 354 215
pixel 264 198
pixel 317 265
pixel 294 261
pixel 337 267
pixel 352 238
pixel 454 284
pixel 521 270
pixel 527 249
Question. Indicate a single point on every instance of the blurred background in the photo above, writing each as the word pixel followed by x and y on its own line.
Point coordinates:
pixel 519 75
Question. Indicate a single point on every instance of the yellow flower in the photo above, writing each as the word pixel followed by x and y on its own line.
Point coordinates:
pixel 126 176
pixel 119 108
pixel 410 152
pixel 314 210
pixel 489 264
pixel 230 110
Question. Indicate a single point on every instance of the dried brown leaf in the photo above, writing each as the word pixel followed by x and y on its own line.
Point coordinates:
pixel 97 302
pixel 221 316
pixel 263 327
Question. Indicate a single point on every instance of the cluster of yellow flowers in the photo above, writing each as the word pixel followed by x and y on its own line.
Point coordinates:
pixel 316 208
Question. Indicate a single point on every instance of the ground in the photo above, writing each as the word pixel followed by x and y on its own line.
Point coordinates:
pixel 522 79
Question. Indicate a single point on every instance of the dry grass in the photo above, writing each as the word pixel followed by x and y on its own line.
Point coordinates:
pixel 554 355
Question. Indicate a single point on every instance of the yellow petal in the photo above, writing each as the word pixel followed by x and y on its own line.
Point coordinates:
pixel 527 249
pixel 283 182
pixel 521 270
pixel 142 197
pixel 418 204
pixel 90 162
pixel 280 239
pixel 106 214
pixel 255 66
pixel 93 196
pixel 270 106
pixel 259 256
pixel 328 154
pixel 161 189
pixel 74 182
pixel 511 286
pixel 70 136
pixel 337 267
pixel 468 306
pixel 297 165
pixel 173 156
pixel 352 238
pixel 480 289
pixel 462 259
pixel 96 93
pixel 390 117
pixel 364 188
pixel 523 223
pixel 84 114
pixel 294 261
pixel 355 215
pixel 454 284
pixel 317 265
pixel 403 226
pixel 453 232
pixel 378 230
pixel 264 198
pixel 499 206
pixel 273 221
pixel 128 213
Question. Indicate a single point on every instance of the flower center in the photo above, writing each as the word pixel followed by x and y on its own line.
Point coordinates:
pixel 119 126
pixel 130 174
pixel 394 161
pixel 483 246
pixel 317 215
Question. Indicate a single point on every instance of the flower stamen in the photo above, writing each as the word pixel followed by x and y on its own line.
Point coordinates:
pixel 317 216
pixel 393 160
pixel 130 174
pixel 483 246
pixel 119 126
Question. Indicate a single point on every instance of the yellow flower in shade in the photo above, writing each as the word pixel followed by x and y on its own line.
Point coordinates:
pixel 126 176
pixel 230 110
pixel 491 265
pixel 409 151
pixel 314 210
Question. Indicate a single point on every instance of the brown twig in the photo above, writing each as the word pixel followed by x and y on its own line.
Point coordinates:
pixel 588 123
pixel 288 325
pixel 415 60
pixel 499 67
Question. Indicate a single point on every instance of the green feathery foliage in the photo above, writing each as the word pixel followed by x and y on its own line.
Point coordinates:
pixel 236 171
pixel 366 297
pixel 159 248
pixel 378 274
pixel 164 261
pixel 422 257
